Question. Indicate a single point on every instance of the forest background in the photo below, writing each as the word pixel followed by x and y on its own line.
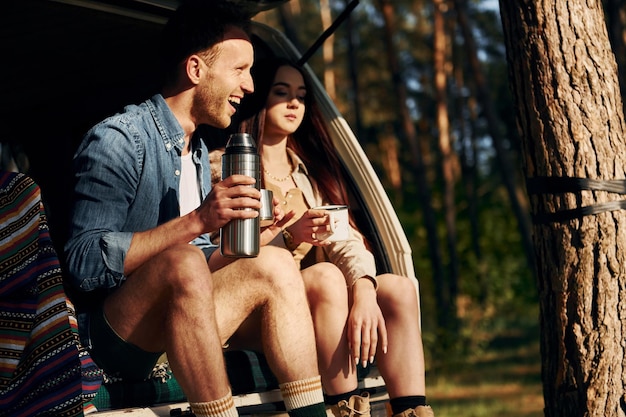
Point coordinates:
pixel 424 85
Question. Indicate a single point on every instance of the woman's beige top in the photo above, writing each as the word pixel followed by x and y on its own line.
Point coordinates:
pixel 293 200
pixel 351 256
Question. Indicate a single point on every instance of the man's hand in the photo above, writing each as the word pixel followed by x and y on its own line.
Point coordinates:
pixel 229 200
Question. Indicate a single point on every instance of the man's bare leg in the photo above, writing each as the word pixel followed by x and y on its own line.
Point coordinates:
pixel 270 288
pixel 168 305
pixel 270 284
pixel 175 293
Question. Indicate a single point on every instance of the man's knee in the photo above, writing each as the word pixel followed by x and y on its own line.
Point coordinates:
pixel 185 267
pixel 277 267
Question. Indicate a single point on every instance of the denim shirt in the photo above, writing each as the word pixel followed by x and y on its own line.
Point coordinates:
pixel 127 172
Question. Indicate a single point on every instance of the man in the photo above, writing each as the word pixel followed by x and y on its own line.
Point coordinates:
pixel 143 193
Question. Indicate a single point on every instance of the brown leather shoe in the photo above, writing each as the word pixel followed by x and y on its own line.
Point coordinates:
pixel 421 411
pixel 356 406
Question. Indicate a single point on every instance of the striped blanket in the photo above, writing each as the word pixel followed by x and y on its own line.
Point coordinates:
pixel 43 371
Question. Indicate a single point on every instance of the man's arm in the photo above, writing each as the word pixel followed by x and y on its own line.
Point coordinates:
pixel 224 203
pixel 106 176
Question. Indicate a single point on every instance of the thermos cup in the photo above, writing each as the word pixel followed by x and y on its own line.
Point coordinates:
pixel 240 237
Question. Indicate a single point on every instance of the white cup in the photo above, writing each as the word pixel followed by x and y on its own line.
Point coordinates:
pixel 339 223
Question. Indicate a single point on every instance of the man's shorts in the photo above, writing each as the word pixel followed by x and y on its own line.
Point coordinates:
pixel 116 356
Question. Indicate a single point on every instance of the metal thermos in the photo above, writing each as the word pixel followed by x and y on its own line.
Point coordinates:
pixel 240 237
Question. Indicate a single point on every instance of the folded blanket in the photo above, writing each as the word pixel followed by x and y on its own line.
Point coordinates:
pixel 43 371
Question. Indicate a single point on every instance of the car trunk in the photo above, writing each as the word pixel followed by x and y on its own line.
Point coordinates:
pixel 69 64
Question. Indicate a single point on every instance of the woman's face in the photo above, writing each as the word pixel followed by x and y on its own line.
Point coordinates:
pixel 285 103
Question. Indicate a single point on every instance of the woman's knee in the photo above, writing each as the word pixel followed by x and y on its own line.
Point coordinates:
pixel 397 292
pixel 324 281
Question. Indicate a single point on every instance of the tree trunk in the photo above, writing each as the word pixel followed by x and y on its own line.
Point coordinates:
pixel 328 51
pixel 424 191
pixel 354 77
pixel 388 145
pixel 448 156
pixel 616 15
pixel 286 14
pixel 502 157
pixel 466 115
pixel 569 111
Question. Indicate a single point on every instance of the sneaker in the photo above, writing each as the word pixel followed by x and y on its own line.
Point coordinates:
pixel 356 406
pixel 421 411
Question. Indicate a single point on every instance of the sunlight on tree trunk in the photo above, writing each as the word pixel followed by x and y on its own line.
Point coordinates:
pixel 502 157
pixel 328 51
pixel 424 191
pixel 448 156
pixel 389 149
pixel 569 111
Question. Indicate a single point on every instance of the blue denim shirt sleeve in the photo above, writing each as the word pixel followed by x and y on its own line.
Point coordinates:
pixel 107 167
pixel 127 171
pixel 114 248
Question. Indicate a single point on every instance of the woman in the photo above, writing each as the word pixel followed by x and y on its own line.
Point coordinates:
pixel 373 315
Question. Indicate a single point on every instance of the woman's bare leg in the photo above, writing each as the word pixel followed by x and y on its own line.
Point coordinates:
pixel 402 367
pixel 328 299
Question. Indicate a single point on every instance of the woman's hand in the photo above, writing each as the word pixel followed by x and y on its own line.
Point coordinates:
pixel 366 324
pixel 268 233
pixel 307 227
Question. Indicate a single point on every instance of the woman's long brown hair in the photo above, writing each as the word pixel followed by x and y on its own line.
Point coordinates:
pixel 311 141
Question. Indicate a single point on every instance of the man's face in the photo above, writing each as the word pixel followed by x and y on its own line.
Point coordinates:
pixel 227 79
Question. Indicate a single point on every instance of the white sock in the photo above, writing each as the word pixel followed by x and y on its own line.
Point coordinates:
pixel 298 394
pixel 223 407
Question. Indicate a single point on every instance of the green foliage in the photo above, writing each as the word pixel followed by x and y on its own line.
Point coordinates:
pixel 494 291
pixel 508 277
pixel 498 286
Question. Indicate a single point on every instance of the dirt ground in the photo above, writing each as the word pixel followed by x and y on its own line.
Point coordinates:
pixel 502 381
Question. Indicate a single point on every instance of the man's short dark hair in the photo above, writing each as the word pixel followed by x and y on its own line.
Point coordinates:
pixel 195 26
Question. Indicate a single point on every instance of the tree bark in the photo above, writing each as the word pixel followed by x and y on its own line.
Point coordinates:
pixel 616 15
pixel 328 50
pixel 448 156
pixel 502 156
pixel 424 191
pixel 569 110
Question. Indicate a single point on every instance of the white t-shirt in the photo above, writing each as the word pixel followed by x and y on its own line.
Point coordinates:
pixel 189 186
